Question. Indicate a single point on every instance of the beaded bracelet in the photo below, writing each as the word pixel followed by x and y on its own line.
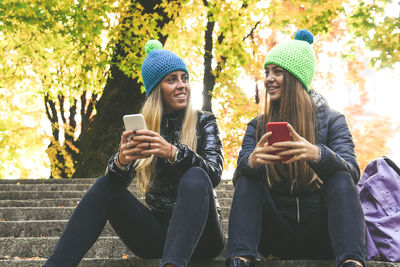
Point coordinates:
pixel 120 166
pixel 176 155
pixel 319 156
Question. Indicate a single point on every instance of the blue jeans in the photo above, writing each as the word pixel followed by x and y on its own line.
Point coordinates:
pixel 336 231
pixel 192 231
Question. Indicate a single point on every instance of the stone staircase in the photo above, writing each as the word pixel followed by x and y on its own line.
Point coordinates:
pixel 33 214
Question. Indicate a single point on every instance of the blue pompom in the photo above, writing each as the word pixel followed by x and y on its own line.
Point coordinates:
pixel 304 35
pixel 152 45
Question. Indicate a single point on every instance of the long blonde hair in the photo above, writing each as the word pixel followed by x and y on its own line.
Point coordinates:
pixel 153 111
pixel 296 107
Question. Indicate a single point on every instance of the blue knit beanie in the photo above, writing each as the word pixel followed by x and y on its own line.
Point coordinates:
pixel 159 63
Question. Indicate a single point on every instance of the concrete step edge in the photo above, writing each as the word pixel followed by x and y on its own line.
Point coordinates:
pixel 118 262
pixel 68 181
pixel 73 187
pixel 51 213
pixel 70 202
pixel 52 228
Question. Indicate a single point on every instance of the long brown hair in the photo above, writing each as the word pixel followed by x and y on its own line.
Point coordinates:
pixel 296 107
pixel 153 111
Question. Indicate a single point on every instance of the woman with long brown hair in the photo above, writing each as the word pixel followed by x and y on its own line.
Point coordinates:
pixel 296 199
pixel 177 161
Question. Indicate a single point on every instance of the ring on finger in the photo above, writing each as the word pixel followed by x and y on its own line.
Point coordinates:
pixel 149 146
pixel 128 145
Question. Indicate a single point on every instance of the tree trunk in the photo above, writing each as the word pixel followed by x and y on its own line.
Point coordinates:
pixel 121 96
pixel 209 77
pixel 62 156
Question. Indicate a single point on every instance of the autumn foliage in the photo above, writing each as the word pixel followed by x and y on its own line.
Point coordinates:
pixel 370 130
pixel 58 58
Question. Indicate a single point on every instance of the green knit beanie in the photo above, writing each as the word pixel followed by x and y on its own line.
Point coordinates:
pixel 296 56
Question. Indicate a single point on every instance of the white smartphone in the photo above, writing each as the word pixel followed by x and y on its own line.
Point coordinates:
pixel 134 122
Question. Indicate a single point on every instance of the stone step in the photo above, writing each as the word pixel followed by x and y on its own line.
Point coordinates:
pixel 49 213
pixel 48 202
pixel 45 187
pixel 136 262
pixel 105 246
pixel 52 228
pixel 15 195
pixel 30 242
pixel 73 187
pixel 41 228
pixel 111 262
pixel 66 181
pixel 71 202
pixel 48 181
pixel 23 195
pixel 130 262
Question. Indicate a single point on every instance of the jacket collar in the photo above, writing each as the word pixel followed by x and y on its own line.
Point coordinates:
pixel 179 114
pixel 173 119
pixel 319 100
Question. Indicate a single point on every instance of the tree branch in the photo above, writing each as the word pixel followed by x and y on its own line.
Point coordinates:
pixel 252 31
pixel 87 110
pixel 53 117
pixel 72 113
pixel 209 77
pixel 61 100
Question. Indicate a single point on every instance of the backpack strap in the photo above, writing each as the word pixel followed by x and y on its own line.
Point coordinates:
pixel 392 164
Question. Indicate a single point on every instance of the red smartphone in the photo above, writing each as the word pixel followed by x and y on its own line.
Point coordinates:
pixel 280 133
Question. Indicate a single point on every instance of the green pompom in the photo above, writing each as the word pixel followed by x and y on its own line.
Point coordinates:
pixel 151 45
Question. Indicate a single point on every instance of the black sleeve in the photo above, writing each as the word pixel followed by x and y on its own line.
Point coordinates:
pixel 209 155
pixel 248 145
pixel 124 177
pixel 338 153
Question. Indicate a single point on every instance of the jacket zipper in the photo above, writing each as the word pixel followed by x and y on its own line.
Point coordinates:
pixel 169 131
pixel 298 209
pixel 297 202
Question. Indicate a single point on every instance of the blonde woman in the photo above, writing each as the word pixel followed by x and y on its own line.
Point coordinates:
pixel 177 160
pixel 296 199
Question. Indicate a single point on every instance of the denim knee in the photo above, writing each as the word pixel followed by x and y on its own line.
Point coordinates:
pixel 249 187
pixel 346 219
pixel 195 179
pixel 340 183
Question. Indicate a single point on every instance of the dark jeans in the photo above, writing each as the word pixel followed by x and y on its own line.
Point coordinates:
pixel 193 231
pixel 335 231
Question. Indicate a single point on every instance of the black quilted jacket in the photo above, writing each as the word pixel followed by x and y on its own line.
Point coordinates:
pixel 337 153
pixel 162 191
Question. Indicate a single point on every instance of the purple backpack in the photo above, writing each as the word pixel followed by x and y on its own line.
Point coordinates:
pixel 379 190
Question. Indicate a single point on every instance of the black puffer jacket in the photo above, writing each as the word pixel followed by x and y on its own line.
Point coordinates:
pixel 337 153
pixel 161 194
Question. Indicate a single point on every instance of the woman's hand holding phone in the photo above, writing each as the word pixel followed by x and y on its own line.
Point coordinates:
pixel 141 144
pixel 282 143
pixel 130 148
pixel 299 148
pixel 152 143
pixel 263 153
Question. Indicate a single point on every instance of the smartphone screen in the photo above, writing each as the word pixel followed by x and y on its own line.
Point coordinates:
pixel 134 122
pixel 280 133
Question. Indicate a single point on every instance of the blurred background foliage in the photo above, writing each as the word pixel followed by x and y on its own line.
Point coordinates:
pixel 69 70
